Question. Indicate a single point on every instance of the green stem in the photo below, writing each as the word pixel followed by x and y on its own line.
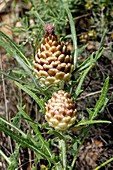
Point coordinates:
pixel 5 157
pixel 103 164
pixel 62 145
pixel 75 157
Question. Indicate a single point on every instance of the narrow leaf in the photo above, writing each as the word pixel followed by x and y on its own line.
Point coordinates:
pixel 12 126
pixel 36 130
pixel 25 142
pixel 15 47
pixel 73 32
pixel 78 89
pixel 33 95
pixel 89 122
pixel 102 98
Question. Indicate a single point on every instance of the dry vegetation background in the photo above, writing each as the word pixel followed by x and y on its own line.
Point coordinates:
pixel 98 146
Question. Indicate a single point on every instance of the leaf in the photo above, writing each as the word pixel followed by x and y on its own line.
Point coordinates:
pixel 7 47
pixel 36 130
pixel 11 76
pixel 58 166
pixel 29 84
pixel 14 159
pixel 19 72
pixel 85 64
pixel 15 52
pixel 90 112
pixel 101 102
pixel 33 95
pixel 25 142
pixel 73 32
pixel 4 121
pixel 82 77
pixel 5 157
pixel 89 122
pixel 85 68
pixel 16 119
pixel 14 47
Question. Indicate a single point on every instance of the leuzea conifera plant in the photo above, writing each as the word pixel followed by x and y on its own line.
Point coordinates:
pixel 53 61
pixel 60 110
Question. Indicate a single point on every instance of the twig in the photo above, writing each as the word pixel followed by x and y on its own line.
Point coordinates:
pixel 5 102
pixel 4 91
pixel 91 94
pixel 81 16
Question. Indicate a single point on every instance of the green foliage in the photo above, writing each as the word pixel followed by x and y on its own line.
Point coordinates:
pixel 58 13
pixel 14 159
pixel 24 140
pixel 35 97
pixel 100 102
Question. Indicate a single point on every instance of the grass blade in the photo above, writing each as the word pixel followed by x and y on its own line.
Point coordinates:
pixel 73 31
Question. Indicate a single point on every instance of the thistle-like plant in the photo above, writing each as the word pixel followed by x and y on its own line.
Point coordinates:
pixel 56 105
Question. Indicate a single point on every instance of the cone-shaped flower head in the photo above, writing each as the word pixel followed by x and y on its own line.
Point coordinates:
pixel 53 62
pixel 60 110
